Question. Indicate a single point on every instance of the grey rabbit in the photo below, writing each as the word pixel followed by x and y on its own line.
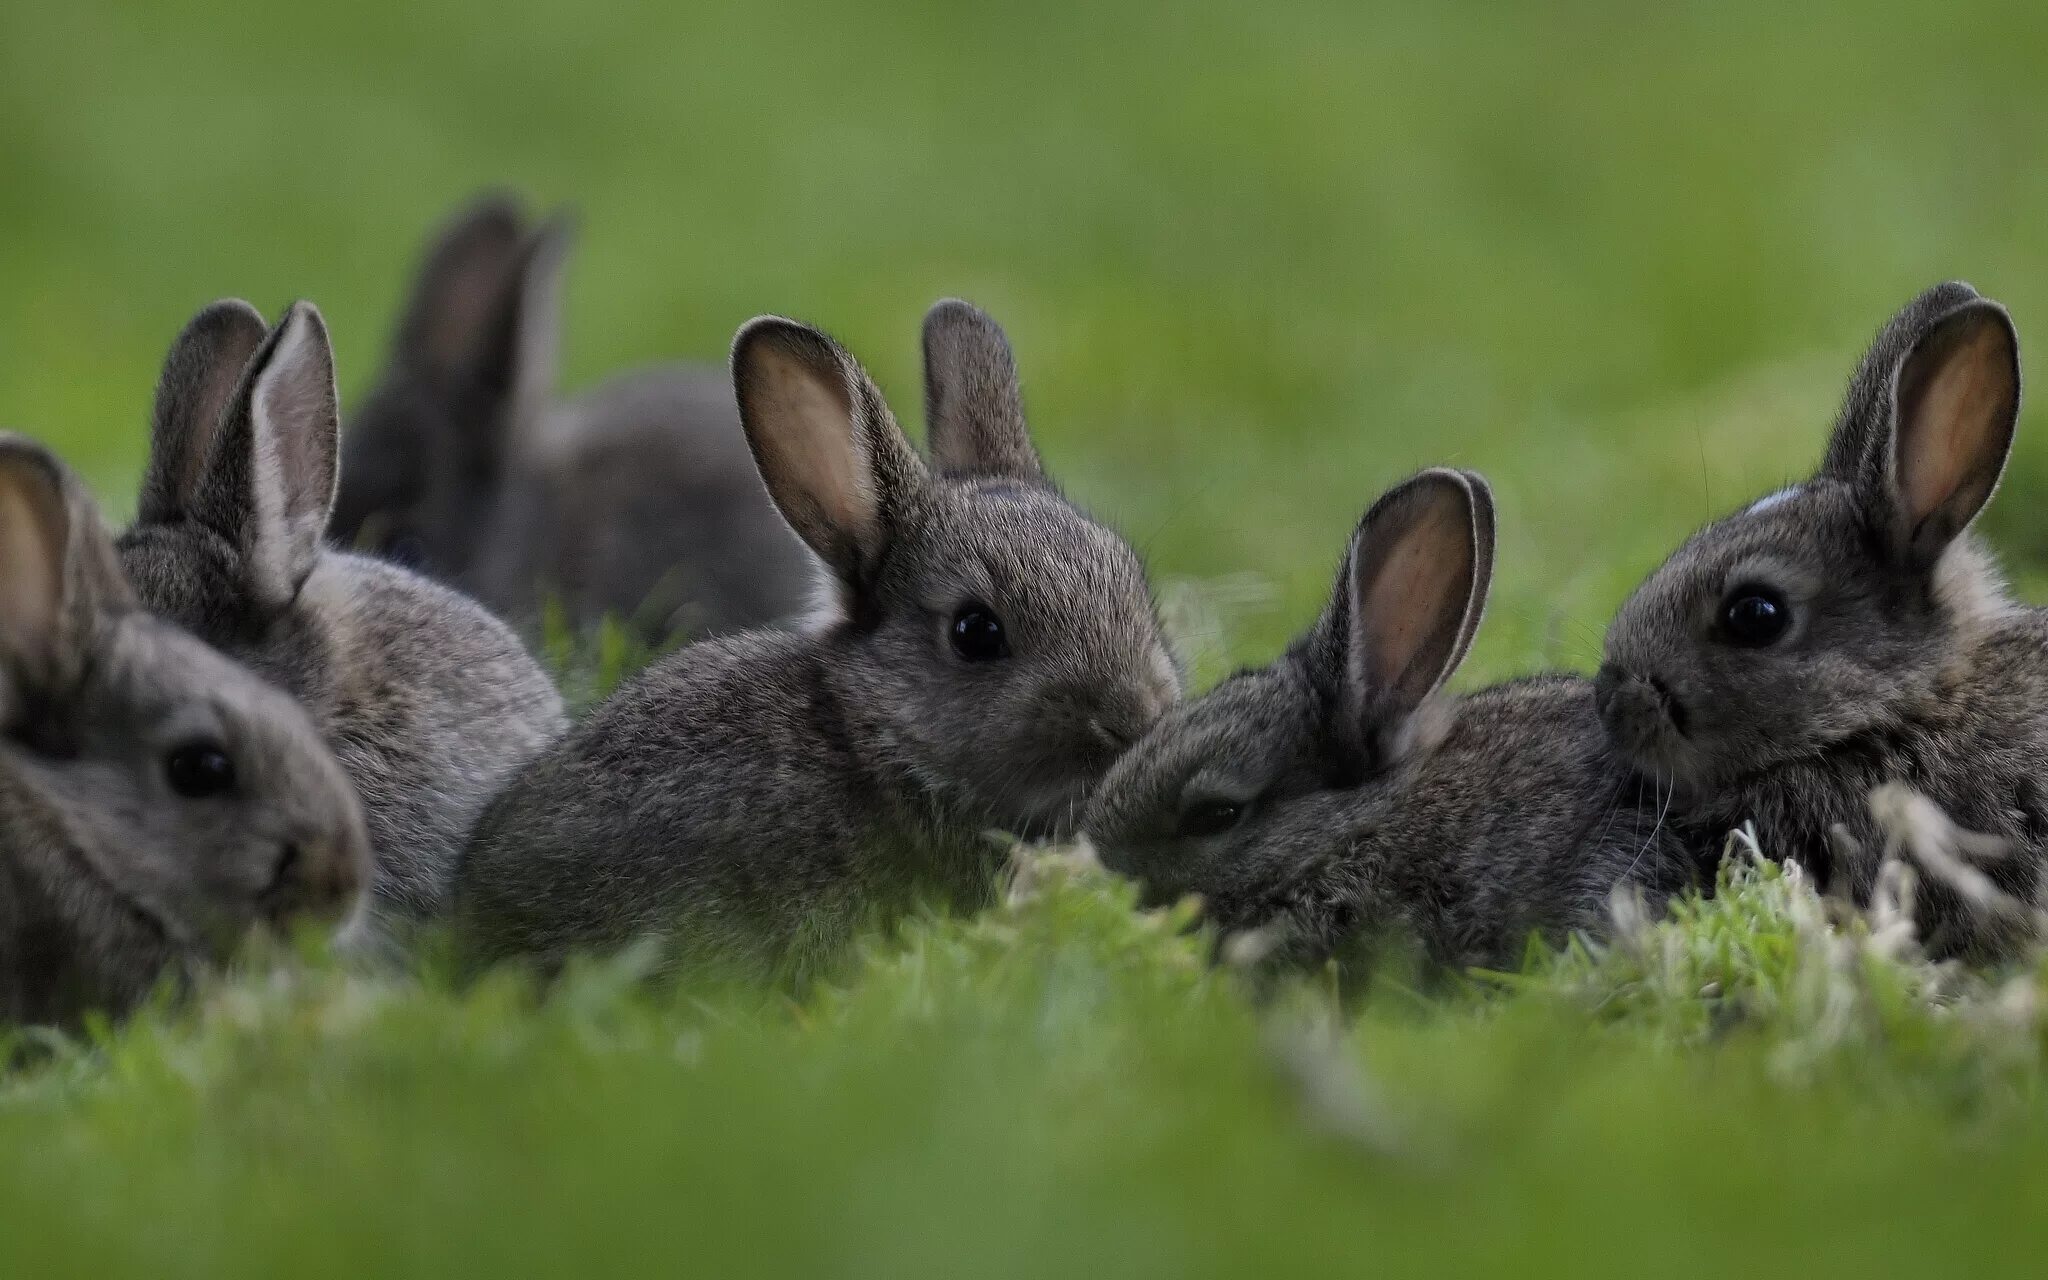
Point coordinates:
pixel 1850 631
pixel 987 652
pixel 637 499
pixel 1335 802
pixel 157 801
pixel 430 702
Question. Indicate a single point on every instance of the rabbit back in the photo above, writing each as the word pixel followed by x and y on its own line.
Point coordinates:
pixel 432 705
pixel 640 501
pixel 722 799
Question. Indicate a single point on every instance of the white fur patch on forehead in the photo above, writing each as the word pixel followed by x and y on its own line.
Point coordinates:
pixel 1770 500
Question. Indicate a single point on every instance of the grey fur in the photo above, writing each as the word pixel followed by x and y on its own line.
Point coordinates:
pixel 430 702
pixel 637 499
pixel 766 792
pixel 1905 660
pixel 109 878
pixel 1370 808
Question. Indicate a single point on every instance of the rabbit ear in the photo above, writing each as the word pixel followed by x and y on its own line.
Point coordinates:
pixel 521 352
pixel 1955 405
pixel 193 394
pixel 269 487
pixel 1862 431
pixel 973 406
pixel 1413 591
pixel 58 572
pixel 834 460
pixel 462 286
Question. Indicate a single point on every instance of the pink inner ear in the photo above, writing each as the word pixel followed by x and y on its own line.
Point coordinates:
pixel 804 434
pixel 1419 592
pixel 1956 433
pixel 31 567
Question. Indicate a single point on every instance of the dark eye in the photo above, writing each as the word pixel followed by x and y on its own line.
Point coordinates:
pixel 978 634
pixel 1209 818
pixel 198 770
pixel 1755 616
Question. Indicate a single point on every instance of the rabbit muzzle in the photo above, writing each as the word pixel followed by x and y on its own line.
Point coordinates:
pixel 1644 719
pixel 321 877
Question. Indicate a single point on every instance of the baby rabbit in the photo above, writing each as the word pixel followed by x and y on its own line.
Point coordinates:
pixel 156 800
pixel 1334 800
pixel 1849 631
pixel 430 703
pixel 637 500
pixel 988 652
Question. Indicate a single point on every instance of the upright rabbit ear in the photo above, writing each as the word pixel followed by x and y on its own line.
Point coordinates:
pixel 1955 404
pixel 269 487
pixel 1861 437
pixel 973 406
pixel 1413 591
pixel 461 286
pixel 521 352
pixel 193 394
pixel 57 573
pixel 833 458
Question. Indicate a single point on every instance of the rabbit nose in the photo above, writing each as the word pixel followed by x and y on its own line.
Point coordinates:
pixel 1116 736
pixel 1119 722
pixel 313 876
pixel 1636 707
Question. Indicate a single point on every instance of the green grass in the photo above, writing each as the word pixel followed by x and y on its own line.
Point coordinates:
pixel 1258 261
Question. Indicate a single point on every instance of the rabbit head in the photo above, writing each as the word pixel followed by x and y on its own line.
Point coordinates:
pixel 156 799
pixel 1236 796
pixel 1830 608
pixel 994 646
pixel 471 366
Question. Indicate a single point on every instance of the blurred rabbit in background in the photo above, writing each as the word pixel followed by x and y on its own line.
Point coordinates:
pixel 637 499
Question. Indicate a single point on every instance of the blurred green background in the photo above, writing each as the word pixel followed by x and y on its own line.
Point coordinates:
pixel 1257 261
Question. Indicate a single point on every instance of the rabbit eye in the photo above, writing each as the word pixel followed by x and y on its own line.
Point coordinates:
pixel 978 634
pixel 1755 616
pixel 198 770
pixel 1209 818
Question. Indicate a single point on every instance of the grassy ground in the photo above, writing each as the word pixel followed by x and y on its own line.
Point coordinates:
pixel 1258 261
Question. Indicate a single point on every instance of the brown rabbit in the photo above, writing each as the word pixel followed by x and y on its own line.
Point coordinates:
pixel 1849 632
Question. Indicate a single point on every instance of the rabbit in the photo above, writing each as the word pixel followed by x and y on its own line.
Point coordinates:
pixel 987 651
pixel 1850 631
pixel 157 801
pixel 430 702
pixel 1335 802
pixel 637 500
